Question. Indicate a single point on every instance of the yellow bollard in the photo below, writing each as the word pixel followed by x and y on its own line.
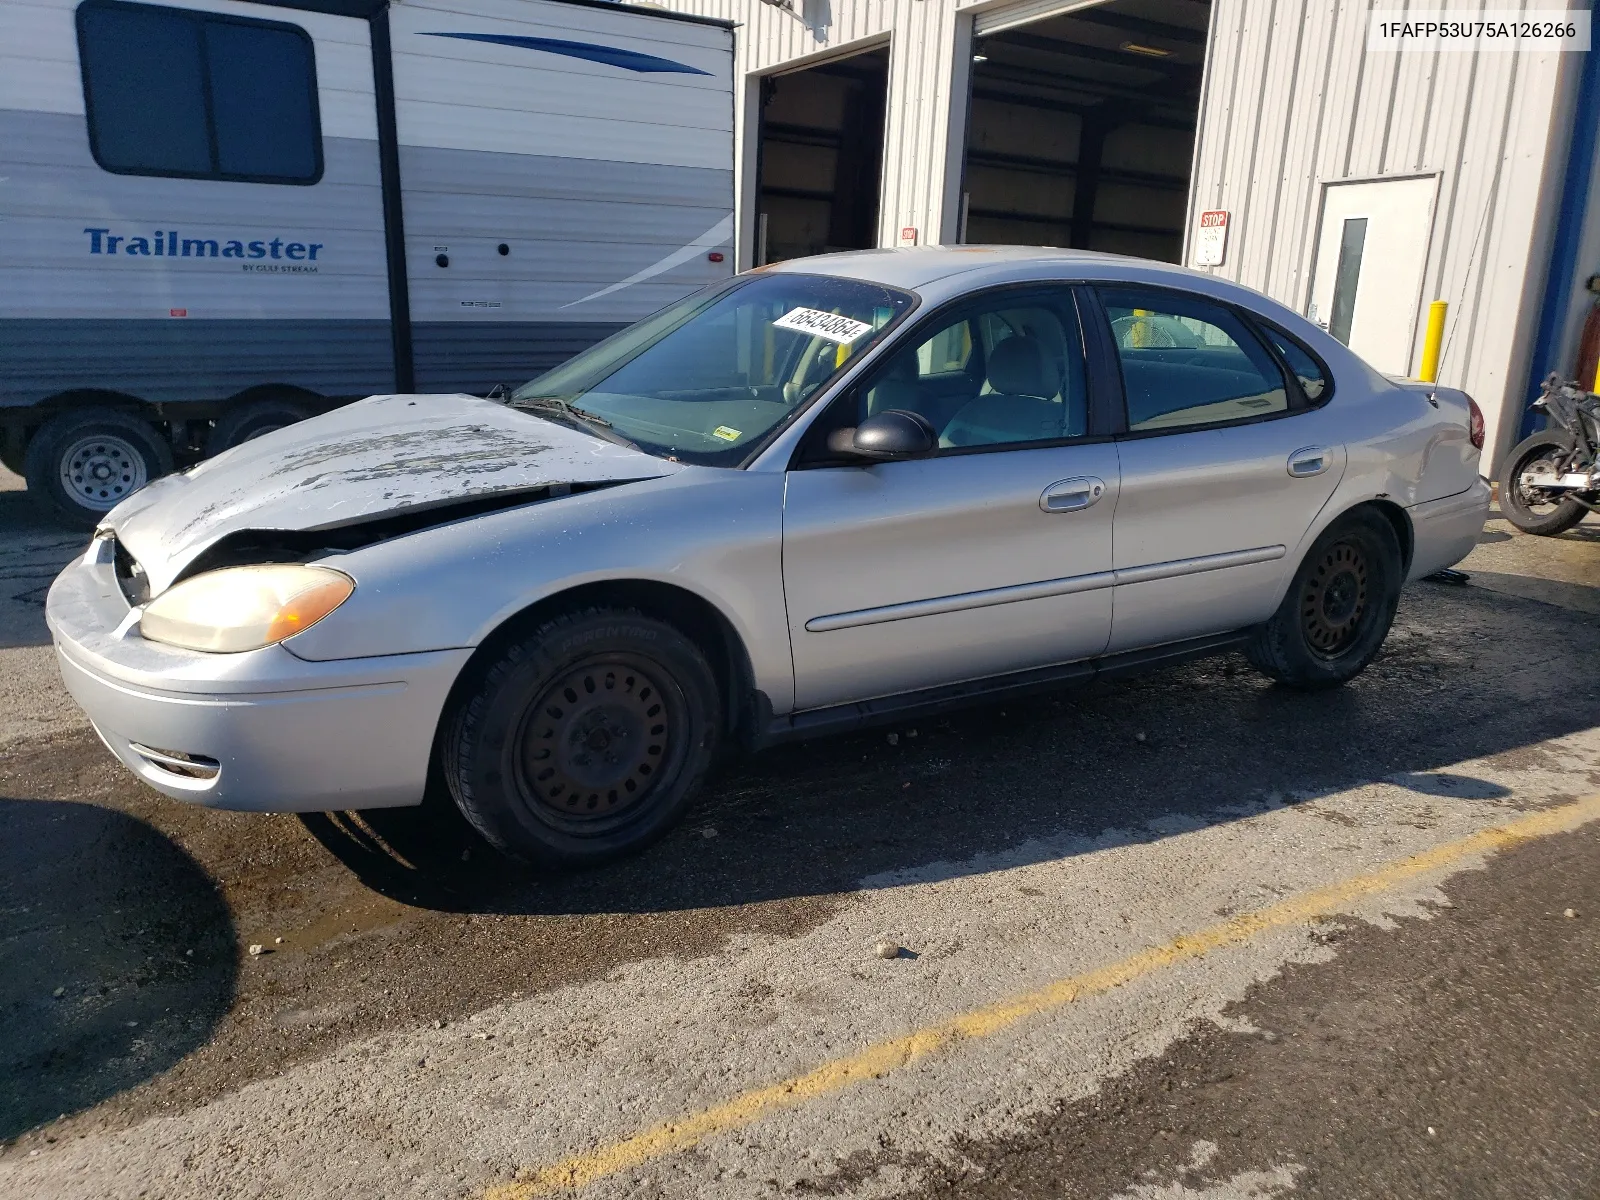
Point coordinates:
pixel 1431 341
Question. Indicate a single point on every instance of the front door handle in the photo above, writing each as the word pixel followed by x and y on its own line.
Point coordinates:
pixel 1308 461
pixel 1072 495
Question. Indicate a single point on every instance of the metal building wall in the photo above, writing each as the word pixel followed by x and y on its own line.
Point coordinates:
pixel 1294 101
pixel 928 59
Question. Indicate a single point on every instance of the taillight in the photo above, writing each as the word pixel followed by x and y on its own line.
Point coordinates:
pixel 1475 425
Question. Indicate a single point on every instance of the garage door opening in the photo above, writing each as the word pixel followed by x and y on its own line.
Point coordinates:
pixel 821 158
pixel 1081 129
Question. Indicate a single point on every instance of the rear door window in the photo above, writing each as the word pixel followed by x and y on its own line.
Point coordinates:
pixel 1188 363
pixel 176 92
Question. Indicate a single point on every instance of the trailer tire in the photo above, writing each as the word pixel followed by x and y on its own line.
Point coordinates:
pixel 84 462
pixel 251 420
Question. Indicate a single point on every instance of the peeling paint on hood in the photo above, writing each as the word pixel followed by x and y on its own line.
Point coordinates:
pixel 377 457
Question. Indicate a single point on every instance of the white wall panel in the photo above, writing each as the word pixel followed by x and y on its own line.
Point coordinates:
pixel 39 59
pixel 461 94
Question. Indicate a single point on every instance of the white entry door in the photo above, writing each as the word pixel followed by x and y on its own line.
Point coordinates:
pixel 1367 282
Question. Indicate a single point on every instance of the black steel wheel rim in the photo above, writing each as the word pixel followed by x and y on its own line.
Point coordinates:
pixel 1334 602
pixel 598 742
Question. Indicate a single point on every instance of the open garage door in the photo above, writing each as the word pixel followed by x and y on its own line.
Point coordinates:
pixel 1081 127
pixel 821 158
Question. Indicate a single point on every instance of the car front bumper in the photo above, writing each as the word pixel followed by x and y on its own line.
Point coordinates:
pixel 262 731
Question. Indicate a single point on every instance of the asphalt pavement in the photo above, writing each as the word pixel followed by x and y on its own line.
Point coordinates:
pixel 1182 935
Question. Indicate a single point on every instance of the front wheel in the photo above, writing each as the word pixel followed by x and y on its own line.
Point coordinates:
pixel 583 740
pixel 1338 609
pixel 1534 509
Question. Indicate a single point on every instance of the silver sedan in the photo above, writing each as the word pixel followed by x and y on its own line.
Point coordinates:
pixel 842 491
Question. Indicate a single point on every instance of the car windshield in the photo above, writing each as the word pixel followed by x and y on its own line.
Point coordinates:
pixel 704 379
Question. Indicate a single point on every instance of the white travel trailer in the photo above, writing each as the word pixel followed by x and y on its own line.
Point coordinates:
pixel 218 217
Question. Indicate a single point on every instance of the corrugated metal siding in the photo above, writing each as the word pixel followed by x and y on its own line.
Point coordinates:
pixel 922 61
pixel 1294 102
pixel 995 18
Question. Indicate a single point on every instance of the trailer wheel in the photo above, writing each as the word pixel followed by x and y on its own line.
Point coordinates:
pixel 83 463
pixel 251 420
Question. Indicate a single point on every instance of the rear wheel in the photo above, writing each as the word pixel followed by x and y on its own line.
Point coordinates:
pixel 1534 509
pixel 1338 609
pixel 83 463
pixel 585 740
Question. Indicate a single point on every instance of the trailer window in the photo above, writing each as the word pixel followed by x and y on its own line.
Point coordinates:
pixel 175 92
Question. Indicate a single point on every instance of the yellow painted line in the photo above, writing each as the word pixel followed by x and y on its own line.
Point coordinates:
pixel 880 1059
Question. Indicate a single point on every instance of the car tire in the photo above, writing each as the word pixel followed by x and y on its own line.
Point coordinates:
pixel 251 420
pixel 584 739
pixel 1517 506
pixel 84 462
pixel 1338 608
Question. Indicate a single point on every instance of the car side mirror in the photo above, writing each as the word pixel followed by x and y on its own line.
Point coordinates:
pixel 886 436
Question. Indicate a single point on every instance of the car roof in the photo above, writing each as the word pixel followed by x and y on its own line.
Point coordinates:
pixel 943 271
pixel 916 266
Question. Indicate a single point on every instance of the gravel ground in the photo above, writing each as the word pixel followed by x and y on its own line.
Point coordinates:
pixel 435 1023
pixel 1452 1057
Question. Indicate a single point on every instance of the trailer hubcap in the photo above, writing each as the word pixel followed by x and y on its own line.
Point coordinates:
pixel 98 472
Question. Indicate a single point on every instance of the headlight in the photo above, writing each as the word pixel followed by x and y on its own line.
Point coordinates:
pixel 244 608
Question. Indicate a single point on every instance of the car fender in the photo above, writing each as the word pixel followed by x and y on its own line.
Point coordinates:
pixel 714 533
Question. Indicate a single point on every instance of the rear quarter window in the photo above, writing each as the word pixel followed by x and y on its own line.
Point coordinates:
pixel 1307 369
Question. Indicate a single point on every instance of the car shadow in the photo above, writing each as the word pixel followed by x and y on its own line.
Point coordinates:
pixel 32 553
pixel 117 957
pixel 1030 779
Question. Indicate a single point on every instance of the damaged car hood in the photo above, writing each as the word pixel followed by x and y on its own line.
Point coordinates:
pixel 378 458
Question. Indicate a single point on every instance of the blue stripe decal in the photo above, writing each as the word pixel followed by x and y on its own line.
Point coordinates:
pixel 611 56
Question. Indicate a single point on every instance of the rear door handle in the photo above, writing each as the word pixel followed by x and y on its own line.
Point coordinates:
pixel 1072 495
pixel 1308 461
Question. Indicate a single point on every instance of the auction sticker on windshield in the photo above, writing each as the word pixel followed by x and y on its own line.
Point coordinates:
pixel 832 326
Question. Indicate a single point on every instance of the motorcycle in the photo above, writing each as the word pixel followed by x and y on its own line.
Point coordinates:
pixel 1551 480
